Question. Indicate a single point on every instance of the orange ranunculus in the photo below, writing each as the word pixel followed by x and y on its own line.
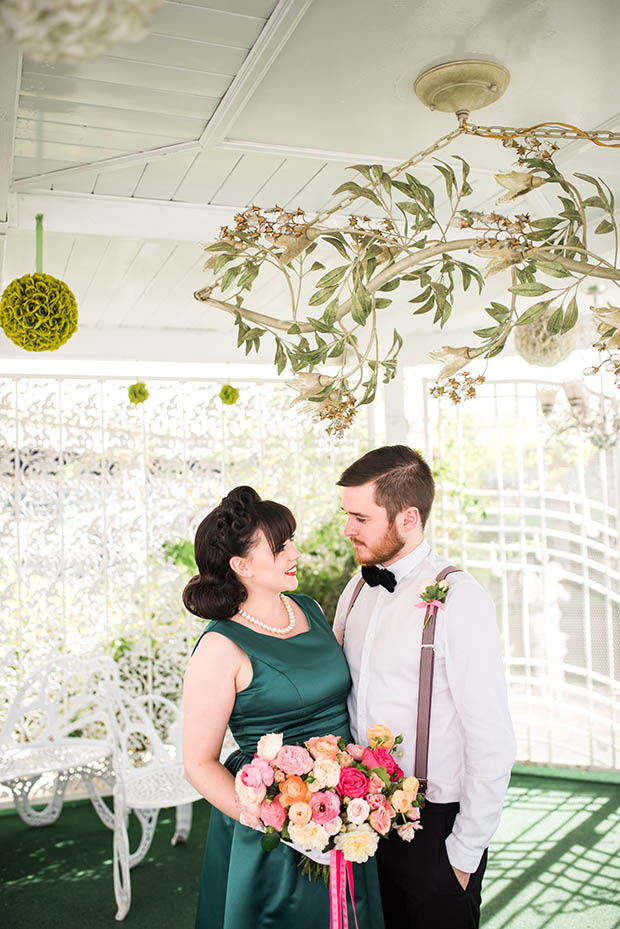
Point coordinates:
pixel 293 790
pixel 380 737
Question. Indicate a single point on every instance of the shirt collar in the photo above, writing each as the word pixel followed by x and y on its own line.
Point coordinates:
pixel 408 562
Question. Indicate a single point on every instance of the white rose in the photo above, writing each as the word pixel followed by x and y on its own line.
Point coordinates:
pixel 326 771
pixel 269 746
pixel 312 837
pixel 334 826
pixel 358 811
pixel 358 843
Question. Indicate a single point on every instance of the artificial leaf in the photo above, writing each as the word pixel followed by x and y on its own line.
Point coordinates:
pixel 535 289
pixel 533 312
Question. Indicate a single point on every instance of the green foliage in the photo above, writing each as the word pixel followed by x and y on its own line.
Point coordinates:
pixel 181 553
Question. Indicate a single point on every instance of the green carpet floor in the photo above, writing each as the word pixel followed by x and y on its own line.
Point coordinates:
pixel 554 864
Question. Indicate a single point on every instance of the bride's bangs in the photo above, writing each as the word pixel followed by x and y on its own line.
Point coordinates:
pixel 277 522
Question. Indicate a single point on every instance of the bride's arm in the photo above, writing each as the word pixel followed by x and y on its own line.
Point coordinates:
pixel 209 694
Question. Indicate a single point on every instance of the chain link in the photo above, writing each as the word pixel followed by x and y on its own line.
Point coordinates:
pixel 414 160
pixel 542 132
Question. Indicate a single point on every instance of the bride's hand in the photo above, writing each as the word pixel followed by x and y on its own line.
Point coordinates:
pixel 250 816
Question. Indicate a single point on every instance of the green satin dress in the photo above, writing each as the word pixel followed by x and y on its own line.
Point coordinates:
pixel 299 688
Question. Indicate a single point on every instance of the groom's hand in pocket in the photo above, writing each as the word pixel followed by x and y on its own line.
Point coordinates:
pixel 462 877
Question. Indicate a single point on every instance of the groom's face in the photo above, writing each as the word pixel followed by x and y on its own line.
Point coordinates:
pixel 375 539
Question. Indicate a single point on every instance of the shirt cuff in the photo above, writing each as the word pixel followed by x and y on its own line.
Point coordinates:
pixel 460 857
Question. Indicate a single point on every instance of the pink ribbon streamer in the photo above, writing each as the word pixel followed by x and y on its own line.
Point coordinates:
pixel 433 604
pixel 339 875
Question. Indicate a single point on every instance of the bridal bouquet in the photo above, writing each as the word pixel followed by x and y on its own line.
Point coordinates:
pixel 328 795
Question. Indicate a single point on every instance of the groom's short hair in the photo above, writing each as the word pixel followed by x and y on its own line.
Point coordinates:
pixel 402 477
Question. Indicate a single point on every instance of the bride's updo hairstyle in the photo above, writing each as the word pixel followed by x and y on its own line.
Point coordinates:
pixel 216 592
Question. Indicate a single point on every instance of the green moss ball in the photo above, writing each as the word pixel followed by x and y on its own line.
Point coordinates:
pixel 38 312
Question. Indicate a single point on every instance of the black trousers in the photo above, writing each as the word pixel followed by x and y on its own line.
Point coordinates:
pixel 419 889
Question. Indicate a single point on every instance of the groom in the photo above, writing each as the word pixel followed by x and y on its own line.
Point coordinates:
pixel 434 881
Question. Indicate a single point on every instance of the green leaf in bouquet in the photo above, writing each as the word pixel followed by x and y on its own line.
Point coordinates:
pixel 269 841
pixel 382 773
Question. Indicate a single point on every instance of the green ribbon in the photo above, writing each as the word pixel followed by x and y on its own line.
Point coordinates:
pixel 39 238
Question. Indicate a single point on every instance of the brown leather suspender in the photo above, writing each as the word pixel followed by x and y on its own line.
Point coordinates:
pixel 425 689
pixel 425 686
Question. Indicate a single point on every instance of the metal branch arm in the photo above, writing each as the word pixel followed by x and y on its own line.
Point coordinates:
pixel 396 270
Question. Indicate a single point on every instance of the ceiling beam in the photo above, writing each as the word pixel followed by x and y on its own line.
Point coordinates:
pixel 93 214
pixel 273 37
pixel 261 56
pixel 10 77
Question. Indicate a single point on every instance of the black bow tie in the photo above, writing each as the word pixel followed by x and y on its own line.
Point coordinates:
pixel 375 576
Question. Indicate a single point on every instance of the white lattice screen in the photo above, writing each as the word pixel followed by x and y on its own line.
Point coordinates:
pixel 535 518
pixel 92 487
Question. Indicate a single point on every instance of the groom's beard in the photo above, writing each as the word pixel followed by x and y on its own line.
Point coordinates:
pixel 385 549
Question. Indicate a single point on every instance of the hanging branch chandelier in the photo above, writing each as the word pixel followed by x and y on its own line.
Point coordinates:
pixel 429 253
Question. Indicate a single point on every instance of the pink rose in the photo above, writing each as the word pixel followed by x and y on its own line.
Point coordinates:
pixel 325 806
pixel 249 796
pixel 370 759
pixel 375 801
pixel 375 784
pixel 266 771
pixel 357 811
pixel 300 813
pixel 356 751
pixel 380 820
pixel 251 776
pixel 273 814
pixel 385 759
pixel 293 759
pixel 414 814
pixel 352 783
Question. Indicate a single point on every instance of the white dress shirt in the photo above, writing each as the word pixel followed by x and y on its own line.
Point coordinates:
pixel 472 743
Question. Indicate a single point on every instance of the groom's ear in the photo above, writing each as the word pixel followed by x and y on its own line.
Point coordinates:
pixel 410 519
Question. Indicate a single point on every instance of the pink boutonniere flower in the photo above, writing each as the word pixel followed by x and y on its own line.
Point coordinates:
pixel 432 593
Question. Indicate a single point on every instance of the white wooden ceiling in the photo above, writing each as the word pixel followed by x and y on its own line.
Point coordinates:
pixel 138 156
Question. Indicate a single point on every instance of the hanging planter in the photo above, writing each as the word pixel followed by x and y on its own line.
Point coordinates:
pixel 137 392
pixel 37 311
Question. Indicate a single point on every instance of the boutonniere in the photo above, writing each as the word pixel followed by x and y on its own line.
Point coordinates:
pixel 433 594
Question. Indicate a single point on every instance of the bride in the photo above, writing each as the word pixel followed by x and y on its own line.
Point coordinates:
pixel 265 663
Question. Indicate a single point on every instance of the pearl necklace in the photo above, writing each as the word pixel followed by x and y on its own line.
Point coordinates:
pixel 276 630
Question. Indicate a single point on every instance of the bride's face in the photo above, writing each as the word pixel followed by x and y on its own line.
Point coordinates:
pixel 272 572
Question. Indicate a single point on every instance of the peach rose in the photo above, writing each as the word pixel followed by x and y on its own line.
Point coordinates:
pixel 400 801
pixel 414 814
pixel 375 784
pixel 300 813
pixel 345 760
pixel 326 771
pixel 311 837
pixel 380 736
pixel 411 785
pixel 380 820
pixel 323 745
pixel 269 746
pixel 293 790
pixel 249 796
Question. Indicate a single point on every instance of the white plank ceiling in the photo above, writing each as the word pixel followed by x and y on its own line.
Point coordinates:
pixel 138 156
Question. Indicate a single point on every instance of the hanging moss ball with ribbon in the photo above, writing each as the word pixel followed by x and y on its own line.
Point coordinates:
pixel 228 394
pixel 138 392
pixel 38 312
